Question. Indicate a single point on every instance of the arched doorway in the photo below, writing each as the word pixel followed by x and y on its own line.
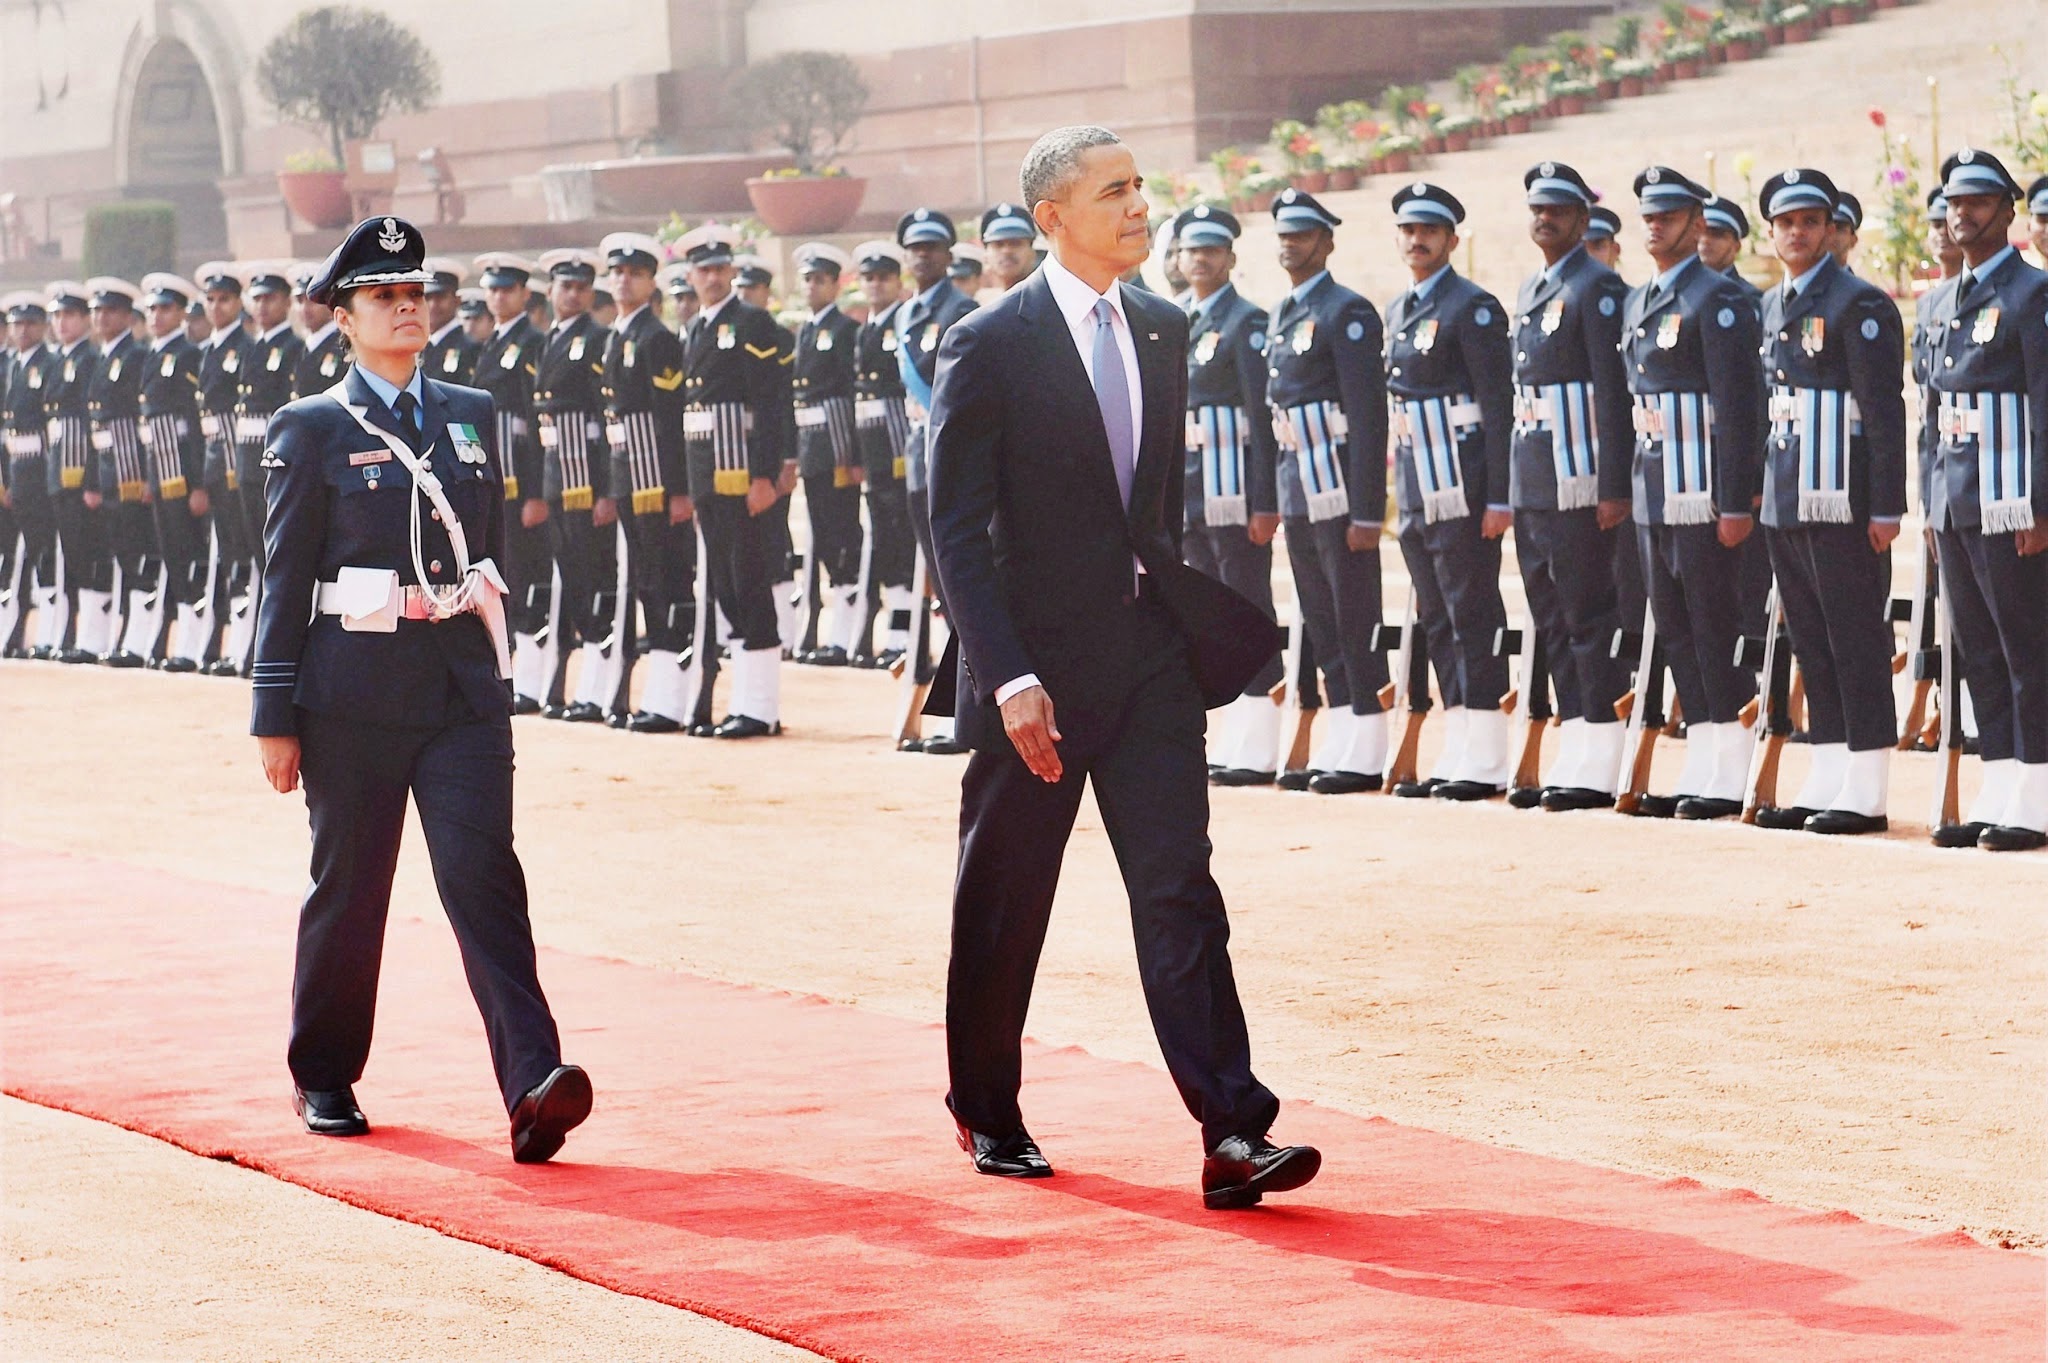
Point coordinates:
pixel 174 145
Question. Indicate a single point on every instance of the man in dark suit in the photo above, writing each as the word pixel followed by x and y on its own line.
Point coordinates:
pixel 1056 521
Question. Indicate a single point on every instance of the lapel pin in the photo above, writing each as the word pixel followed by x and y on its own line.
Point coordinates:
pixel 1151 335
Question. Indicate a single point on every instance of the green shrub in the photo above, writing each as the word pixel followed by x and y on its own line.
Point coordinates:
pixel 129 240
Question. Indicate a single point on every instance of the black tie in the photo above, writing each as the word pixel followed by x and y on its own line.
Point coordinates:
pixel 1964 283
pixel 407 410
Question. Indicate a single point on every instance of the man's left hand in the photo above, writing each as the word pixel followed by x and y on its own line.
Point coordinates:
pixel 1882 533
pixel 761 495
pixel 2031 542
pixel 1733 530
pixel 786 484
pixel 1495 523
pixel 532 512
pixel 1263 526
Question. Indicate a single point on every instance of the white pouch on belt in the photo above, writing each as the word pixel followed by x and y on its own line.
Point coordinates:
pixel 369 599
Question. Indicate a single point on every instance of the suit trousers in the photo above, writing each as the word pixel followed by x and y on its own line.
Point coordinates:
pixel 1837 598
pixel 1339 595
pixel 835 528
pixel 1149 771
pixel 131 541
pixel 586 566
pixel 357 778
pixel 662 561
pixel 1226 553
pixel 1567 565
pixel 1456 572
pixel 1996 600
pixel 1695 591
pixel 183 542
pixel 738 548
pixel 529 572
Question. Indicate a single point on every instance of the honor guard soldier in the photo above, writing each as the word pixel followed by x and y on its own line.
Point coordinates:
pixel 643 386
pixel 1689 342
pixel 1834 489
pixel 1726 229
pixel 88 570
pixel 828 450
pixel 1603 227
pixel 1569 483
pixel 175 450
pixel 1987 499
pixel 882 423
pixel 674 281
pixel 1232 503
pixel 232 557
pixel 1848 222
pixel 1450 394
pixel 1948 257
pixel 319 368
pixel 966 269
pixel 268 362
pixel 505 367
pixel 380 674
pixel 2037 216
pixel 1009 257
pixel 115 405
pixel 733 431
pixel 1326 397
pixel 475 313
pixel 450 355
pixel 754 282
pixel 31 369
pixel 568 398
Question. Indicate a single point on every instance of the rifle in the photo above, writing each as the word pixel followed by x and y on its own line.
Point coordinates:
pixel 1641 709
pixel 1770 711
pixel 1298 721
pixel 1529 702
pixel 1407 690
pixel 700 667
pixel 913 671
pixel 807 611
pixel 1922 653
pixel 1948 794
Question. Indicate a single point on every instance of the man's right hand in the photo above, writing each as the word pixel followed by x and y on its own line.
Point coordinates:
pixel 603 512
pixel 1264 525
pixel 280 762
pixel 680 509
pixel 1613 511
pixel 1361 539
pixel 1027 719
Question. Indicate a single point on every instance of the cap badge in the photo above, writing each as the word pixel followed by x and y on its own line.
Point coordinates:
pixel 922 214
pixel 1653 176
pixel 1288 197
pixel 1966 156
pixel 1004 210
pixel 1419 188
pixel 1791 177
pixel 391 238
pixel 1201 210
pixel 1547 169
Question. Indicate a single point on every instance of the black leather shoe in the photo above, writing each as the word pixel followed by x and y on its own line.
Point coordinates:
pixel 746 726
pixel 1345 782
pixel 1959 834
pixel 1658 806
pixel 330 1112
pixel 1296 778
pixel 1243 776
pixel 584 712
pixel 1243 1169
pixel 181 666
pixel 77 656
pixel 12 652
pixel 1791 816
pixel 122 658
pixel 618 719
pixel 1013 1156
pixel 1418 790
pixel 2005 838
pixel 548 1112
pixel 1565 799
pixel 909 745
pixel 647 722
pixel 554 711
pixel 43 653
pixel 1705 807
pixel 1845 821
pixel 1526 797
pixel 221 667
pixel 1465 791
pixel 702 728
pixel 943 747
pixel 525 705
pixel 832 655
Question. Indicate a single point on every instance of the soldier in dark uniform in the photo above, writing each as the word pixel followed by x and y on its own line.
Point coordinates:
pixel 926 236
pixel 966 269
pixel 1721 242
pixel 475 314
pixel 1569 481
pixel 231 559
pixel 115 405
pixel 88 571
pixel 1602 242
pixel 1007 238
pixel 828 450
pixel 734 432
pixel 1848 222
pixel 1232 504
pixel 450 355
pixel 380 674
pixel 12 549
pixel 1986 492
pixel 643 388
pixel 269 358
pixel 674 279
pixel 2037 216
pixel 505 368
pixel 175 451
pixel 1450 392
pixel 568 397
pixel 883 425
pixel 320 367
pixel 1834 489
pixel 1689 341
pixel 1326 395
pixel 753 281
pixel 31 366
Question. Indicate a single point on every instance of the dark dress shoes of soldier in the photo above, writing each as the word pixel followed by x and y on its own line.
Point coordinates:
pixel 1297 778
pixel 832 655
pixel 1013 1156
pixel 1658 806
pixel 330 1112
pixel 1465 792
pixel 123 658
pixel 647 722
pixel 584 712
pixel 744 726
pixel 546 1114
pixel 1564 799
pixel 1418 790
pixel 1526 797
pixel 222 667
pixel 553 711
pixel 2003 838
pixel 1959 834
pixel 1344 782
pixel 1707 807
pixel 1240 776
pixel 525 705
pixel 180 665
pixel 1844 821
pixel 1786 818
pixel 1243 1169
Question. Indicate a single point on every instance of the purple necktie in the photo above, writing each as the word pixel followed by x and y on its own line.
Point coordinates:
pixel 1113 396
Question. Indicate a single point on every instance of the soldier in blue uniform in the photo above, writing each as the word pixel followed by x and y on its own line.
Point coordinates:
pixel 1986 492
pixel 319 368
pixel 231 558
pixel 1450 388
pixel 450 355
pixel 380 673
pixel 1834 489
pixel 1602 242
pixel 882 422
pixel 1721 241
pixel 1008 237
pixel 1326 392
pixel 1232 501
pixel 1848 222
pixel 175 453
pixel 114 403
pixel 1568 480
pixel 2037 216
pixel 1690 343
pixel 88 571
pixel 505 367
pixel 966 269
pixel 30 367
pixel 828 449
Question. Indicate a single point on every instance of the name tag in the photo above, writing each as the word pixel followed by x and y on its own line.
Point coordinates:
pixel 361 457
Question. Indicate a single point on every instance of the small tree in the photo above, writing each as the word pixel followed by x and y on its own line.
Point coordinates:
pixel 806 101
pixel 343 69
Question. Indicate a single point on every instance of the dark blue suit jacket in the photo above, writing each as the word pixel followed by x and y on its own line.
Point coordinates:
pixel 1033 548
pixel 326 512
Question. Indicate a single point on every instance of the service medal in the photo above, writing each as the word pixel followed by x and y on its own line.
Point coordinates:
pixel 1986 327
pixel 1813 334
pixel 231 362
pixel 170 366
pixel 889 341
pixel 1304 336
pixel 627 355
pixel 824 340
pixel 1667 331
pixel 1425 336
pixel 1553 316
pixel 1205 349
pixel 327 366
pixel 71 371
pixel 931 338
pixel 114 370
pixel 276 358
pixel 35 378
pixel 727 337
pixel 510 359
pixel 576 349
pixel 371 473
pixel 450 360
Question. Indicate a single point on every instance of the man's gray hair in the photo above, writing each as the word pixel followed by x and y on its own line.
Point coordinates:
pixel 1054 161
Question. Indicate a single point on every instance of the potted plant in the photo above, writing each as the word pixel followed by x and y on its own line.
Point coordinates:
pixel 1632 76
pixel 1745 40
pixel 1519 114
pixel 1261 189
pixel 1573 96
pixel 807 103
pixel 1398 151
pixel 1685 58
pixel 1797 22
pixel 1846 12
pixel 1457 131
pixel 340 70
pixel 1302 155
pixel 1232 168
pixel 1344 171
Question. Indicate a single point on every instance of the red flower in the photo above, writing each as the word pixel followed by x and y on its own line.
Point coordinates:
pixel 1877 117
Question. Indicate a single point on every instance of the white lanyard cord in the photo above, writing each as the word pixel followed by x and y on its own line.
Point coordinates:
pixel 442 601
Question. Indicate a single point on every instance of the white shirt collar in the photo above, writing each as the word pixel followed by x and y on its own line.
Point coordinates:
pixel 157 343
pixel 276 331
pixel 502 327
pixel 1075 299
pixel 625 319
pixel 317 337
pixel 1423 288
pixel 436 338
pixel 710 314
pixel 233 328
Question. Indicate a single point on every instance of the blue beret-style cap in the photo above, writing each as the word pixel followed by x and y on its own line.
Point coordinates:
pixel 383 250
pixel 1206 225
pixel 1797 188
pixel 925 224
pixel 1425 202
pixel 1297 211
pixel 1970 171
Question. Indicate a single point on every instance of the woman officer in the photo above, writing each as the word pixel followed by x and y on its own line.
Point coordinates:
pixel 379 672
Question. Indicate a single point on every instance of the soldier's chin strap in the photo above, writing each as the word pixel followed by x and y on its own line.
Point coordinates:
pixel 480 587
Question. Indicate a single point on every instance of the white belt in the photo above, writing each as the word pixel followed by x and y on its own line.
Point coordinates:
pixel 103 441
pixel 252 426
pixel 209 425
pixel 1533 407
pixel 331 600
pixel 866 410
pixel 810 418
pixel 23 446
pixel 1788 406
pixel 703 421
pixel 148 431
pixel 1462 412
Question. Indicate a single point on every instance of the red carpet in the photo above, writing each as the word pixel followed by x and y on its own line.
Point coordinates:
pixel 786 1165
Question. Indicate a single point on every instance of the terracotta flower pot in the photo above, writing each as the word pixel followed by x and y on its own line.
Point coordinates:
pixel 1885 4
pixel 1397 162
pixel 1609 89
pixel 806 205
pixel 1569 106
pixel 1312 181
pixel 1799 31
pixel 1344 177
pixel 1240 203
pixel 319 197
pixel 1774 35
pixel 1262 201
pixel 1520 123
pixel 1457 141
pixel 1740 50
pixel 1432 144
pixel 1664 70
pixel 1630 86
pixel 1688 69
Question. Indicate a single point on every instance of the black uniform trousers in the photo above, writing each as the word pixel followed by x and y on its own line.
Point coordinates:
pixel 131 540
pixel 1996 600
pixel 586 562
pixel 1226 553
pixel 1456 572
pixel 662 565
pixel 529 572
pixel 357 777
pixel 1567 564
pixel 835 528
pixel 1695 590
pixel 249 494
pixel 1150 775
pixel 82 532
pixel 1338 593
pixel 738 548
pixel 183 543
pixel 1631 583
pixel 35 521
pixel 1837 597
